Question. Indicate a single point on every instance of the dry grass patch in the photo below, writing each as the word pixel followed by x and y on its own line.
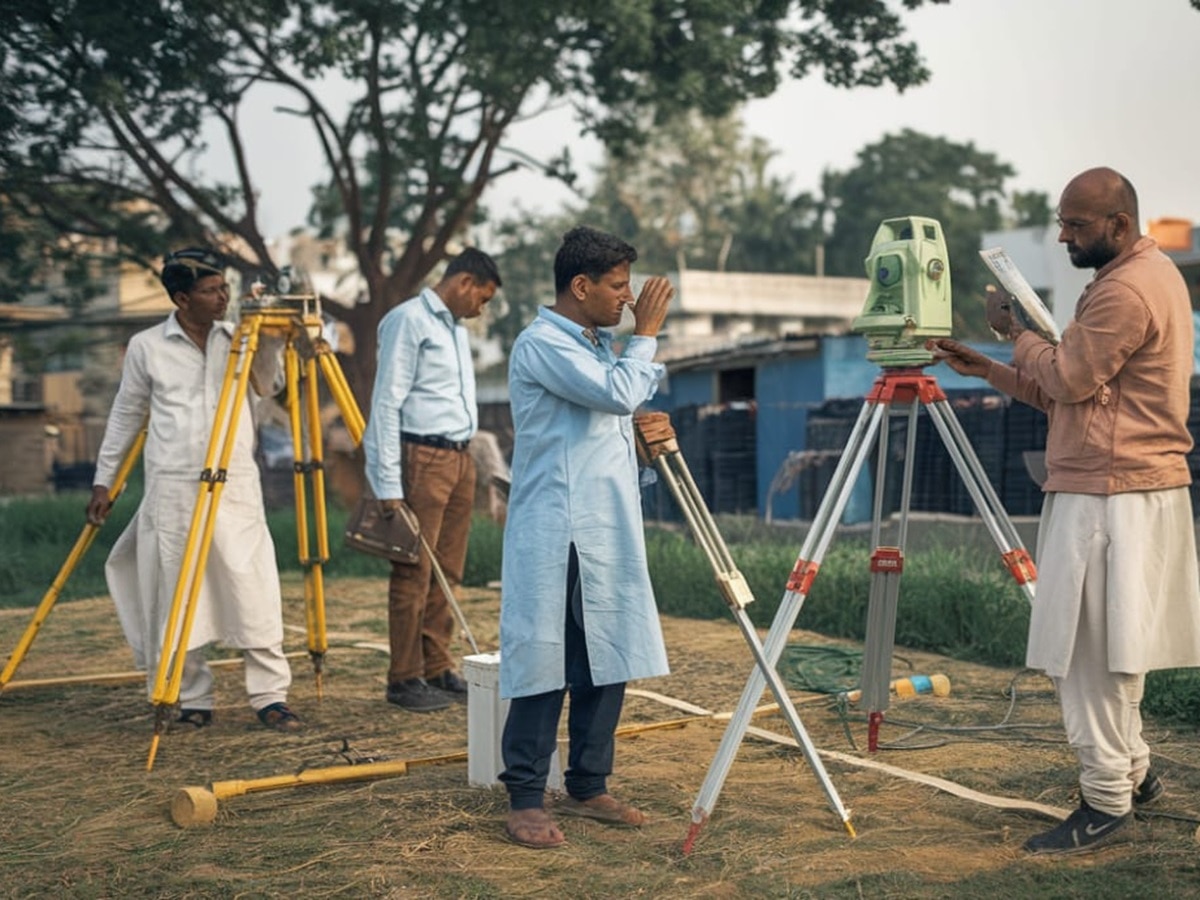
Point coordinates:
pixel 84 819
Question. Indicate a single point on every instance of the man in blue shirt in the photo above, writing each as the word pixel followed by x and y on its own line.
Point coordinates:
pixel 423 416
pixel 577 611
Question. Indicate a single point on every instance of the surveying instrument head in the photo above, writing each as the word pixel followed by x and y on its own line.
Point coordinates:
pixel 286 302
pixel 909 298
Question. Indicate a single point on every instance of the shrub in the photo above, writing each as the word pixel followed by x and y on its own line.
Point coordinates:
pixel 950 602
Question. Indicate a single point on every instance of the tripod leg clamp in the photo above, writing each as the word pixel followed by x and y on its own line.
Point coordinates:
pixel 734 588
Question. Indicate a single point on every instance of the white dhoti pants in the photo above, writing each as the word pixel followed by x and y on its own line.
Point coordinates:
pixel 1101 709
pixel 268 677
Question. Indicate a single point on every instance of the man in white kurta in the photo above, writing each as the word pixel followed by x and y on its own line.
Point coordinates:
pixel 577 611
pixel 170 381
pixel 1117 592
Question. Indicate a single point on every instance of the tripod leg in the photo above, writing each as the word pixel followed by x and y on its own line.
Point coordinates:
pixel 815 545
pixel 991 510
pixel 448 592
pixel 737 595
pixel 82 544
pixel 318 642
pixel 200 530
pixel 342 395
pixel 887 564
pixel 308 465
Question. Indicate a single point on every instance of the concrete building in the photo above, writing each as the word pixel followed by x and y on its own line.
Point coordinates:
pixel 711 309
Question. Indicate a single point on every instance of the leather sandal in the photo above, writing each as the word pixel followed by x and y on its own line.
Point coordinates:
pixel 533 828
pixel 603 808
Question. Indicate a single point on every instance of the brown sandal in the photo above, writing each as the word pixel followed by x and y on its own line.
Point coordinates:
pixel 603 808
pixel 533 828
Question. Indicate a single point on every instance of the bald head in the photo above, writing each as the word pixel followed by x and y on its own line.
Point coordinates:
pixel 1098 217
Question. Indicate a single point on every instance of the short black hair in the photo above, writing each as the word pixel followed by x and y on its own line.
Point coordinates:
pixel 475 263
pixel 591 252
pixel 183 268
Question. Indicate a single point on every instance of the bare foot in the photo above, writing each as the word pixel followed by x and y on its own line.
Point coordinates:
pixel 533 828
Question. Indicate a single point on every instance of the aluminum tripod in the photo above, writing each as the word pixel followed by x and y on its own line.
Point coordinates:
pixel 657 444
pixel 906 387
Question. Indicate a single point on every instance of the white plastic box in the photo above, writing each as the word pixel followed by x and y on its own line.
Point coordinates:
pixel 486 713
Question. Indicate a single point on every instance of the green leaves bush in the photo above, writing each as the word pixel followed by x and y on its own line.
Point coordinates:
pixel 952 602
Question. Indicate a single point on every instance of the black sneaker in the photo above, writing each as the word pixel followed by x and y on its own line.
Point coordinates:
pixel 416 695
pixel 1149 790
pixel 1084 829
pixel 451 683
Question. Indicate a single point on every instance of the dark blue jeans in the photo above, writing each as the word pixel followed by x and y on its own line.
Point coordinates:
pixel 531 730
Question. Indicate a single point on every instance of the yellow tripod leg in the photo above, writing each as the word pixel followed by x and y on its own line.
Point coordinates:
pixel 342 395
pixel 318 643
pixel 307 461
pixel 195 558
pixel 82 544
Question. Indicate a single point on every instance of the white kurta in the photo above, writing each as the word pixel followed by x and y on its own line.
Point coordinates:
pixel 1144 543
pixel 575 481
pixel 169 380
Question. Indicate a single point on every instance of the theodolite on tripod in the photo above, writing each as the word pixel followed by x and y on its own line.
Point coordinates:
pixel 293 319
pixel 281 311
pixel 908 303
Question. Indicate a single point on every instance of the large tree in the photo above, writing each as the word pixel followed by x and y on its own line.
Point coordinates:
pixel 913 174
pixel 105 105
pixel 698 196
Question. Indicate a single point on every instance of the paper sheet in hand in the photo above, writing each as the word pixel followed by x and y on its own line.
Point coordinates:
pixel 1033 312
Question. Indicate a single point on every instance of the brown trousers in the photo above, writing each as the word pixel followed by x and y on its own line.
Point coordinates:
pixel 439 487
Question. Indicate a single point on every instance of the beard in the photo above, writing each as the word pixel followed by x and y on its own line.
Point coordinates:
pixel 1095 256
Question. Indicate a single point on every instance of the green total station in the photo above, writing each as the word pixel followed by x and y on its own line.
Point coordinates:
pixel 909 298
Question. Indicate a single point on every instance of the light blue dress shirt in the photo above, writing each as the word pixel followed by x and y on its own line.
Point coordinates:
pixel 424 384
pixel 575 480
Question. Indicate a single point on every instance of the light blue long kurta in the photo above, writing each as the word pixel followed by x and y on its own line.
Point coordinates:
pixel 575 480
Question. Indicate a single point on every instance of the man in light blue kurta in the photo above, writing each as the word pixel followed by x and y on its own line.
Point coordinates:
pixel 577 611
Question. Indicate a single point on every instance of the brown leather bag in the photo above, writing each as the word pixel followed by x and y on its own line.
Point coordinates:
pixel 396 537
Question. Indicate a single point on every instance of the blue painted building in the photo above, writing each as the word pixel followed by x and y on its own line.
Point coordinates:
pixel 783 380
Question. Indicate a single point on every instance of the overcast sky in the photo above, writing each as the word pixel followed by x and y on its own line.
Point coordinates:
pixel 1050 86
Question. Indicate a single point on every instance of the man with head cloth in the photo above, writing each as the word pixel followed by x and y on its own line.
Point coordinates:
pixel 1117 589
pixel 171 381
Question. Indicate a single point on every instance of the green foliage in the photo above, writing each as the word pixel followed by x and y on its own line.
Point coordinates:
pixel 915 174
pixel 1173 694
pixel 38 534
pixel 949 604
pixel 108 110
pixel 1031 209
pixel 483 553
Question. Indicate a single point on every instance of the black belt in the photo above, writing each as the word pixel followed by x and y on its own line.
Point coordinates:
pixel 434 440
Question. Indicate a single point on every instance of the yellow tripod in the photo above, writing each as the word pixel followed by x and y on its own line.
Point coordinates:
pixel 298 321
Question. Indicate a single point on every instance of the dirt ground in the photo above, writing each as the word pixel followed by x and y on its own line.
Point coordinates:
pixel 83 818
